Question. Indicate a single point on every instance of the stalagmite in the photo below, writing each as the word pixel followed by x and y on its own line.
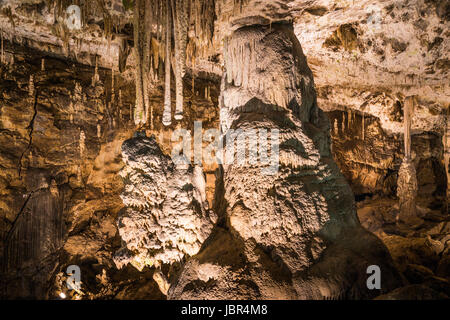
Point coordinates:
pixel 167 114
pixel 162 281
pixel 42 64
pixel 299 202
pixel 99 130
pixel 407 179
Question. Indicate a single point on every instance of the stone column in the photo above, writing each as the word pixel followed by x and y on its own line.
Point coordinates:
pixel 407 179
pixel 285 232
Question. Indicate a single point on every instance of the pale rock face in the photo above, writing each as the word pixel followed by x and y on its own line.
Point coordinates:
pixel 165 216
pixel 283 231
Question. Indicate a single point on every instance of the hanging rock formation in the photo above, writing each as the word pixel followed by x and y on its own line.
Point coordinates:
pixel 293 234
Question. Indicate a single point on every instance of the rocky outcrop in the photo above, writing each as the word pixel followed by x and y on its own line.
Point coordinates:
pixel 285 235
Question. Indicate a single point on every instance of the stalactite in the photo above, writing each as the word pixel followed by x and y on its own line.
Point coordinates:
pixel 79 175
pixel 446 143
pixel 113 91
pixel 151 117
pixel 191 23
pixel 31 88
pixel 96 77
pixel 42 64
pixel 180 27
pixel 167 115
pixel 2 53
pixel 363 125
pixel 407 179
pixel 99 130
pixel 146 15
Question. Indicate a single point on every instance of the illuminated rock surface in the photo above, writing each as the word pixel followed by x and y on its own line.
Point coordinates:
pixel 166 214
pixel 69 109
pixel 282 231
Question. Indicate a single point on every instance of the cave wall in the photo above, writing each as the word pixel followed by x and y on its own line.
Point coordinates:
pixel 370 161
pixel 67 104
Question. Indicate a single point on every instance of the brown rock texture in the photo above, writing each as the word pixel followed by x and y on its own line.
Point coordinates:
pixel 86 176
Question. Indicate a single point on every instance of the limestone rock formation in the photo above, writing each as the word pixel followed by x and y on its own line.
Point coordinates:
pixel 282 233
pixel 166 214
pixel 74 92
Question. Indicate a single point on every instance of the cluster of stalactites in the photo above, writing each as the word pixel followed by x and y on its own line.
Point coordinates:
pixel 190 23
pixel 242 62
pixel 154 21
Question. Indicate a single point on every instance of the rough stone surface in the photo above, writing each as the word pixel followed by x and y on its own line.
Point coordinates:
pixel 283 231
pixel 166 214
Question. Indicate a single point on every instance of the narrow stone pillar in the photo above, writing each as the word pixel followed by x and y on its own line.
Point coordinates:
pixel 407 179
